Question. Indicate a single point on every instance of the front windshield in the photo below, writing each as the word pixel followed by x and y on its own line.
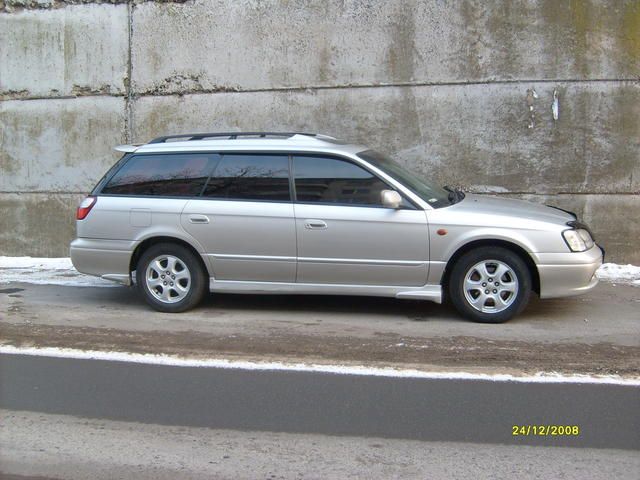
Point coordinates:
pixel 431 193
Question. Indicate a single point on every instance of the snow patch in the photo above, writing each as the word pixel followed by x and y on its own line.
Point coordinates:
pixel 46 271
pixel 612 272
pixel 170 360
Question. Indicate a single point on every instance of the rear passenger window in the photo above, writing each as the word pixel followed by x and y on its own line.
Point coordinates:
pixel 175 175
pixel 250 177
pixel 329 180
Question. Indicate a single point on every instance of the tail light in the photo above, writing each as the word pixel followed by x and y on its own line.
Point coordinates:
pixel 85 207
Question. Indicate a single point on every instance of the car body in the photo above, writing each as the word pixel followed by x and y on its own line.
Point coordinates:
pixel 306 213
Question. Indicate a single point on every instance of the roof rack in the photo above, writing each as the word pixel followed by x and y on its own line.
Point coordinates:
pixel 231 135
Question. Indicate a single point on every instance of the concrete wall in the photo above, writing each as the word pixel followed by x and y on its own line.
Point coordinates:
pixel 462 90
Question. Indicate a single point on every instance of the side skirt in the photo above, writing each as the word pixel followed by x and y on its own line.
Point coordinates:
pixel 426 292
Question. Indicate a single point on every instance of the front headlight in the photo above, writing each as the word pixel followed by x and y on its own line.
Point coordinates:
pixel 578 240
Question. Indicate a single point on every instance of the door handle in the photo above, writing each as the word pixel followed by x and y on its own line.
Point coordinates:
pixel 315 224
pixel 198 219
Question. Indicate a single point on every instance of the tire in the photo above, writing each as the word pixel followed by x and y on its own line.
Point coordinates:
pixel 474 274
pixel 170 278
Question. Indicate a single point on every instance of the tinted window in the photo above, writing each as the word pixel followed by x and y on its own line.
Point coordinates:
pixel 176 175
pixel 329 180
pixel 106 176
pixel 250 177
pixel 427 190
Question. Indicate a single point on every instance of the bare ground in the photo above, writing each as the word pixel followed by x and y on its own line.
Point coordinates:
pixel 596 334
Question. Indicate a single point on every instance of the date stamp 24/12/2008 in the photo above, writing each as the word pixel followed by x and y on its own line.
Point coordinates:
pixel 545 430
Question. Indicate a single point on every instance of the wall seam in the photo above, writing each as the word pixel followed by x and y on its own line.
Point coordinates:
pixel 131 95
pixel 128 117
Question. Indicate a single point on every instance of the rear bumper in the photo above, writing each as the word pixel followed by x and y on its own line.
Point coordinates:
pixel 108 259
pixel 567 274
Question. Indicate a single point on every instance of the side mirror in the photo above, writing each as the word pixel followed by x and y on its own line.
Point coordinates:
pixel 391 198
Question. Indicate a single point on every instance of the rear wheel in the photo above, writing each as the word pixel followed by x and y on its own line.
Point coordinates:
pixel 490 285
pixel 170 278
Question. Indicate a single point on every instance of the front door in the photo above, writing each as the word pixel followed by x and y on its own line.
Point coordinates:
pixel 346 236
pixel 244 219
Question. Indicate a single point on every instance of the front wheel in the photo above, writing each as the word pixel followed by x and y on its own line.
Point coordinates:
pixel 170 278
pixel 490 285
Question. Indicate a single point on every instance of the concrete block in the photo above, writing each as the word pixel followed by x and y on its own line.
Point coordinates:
pixel 38 225
pixel 482 137
pixel 219 45
pixel 612 218
pixel 62 145
pixel 76 50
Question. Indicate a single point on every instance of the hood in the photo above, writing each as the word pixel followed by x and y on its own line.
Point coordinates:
pixel 508 207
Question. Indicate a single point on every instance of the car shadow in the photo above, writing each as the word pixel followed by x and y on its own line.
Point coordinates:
pixel 415 310
pixel 119 297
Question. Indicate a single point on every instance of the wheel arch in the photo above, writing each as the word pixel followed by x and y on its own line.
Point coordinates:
pixel 489 242
pixel 148 242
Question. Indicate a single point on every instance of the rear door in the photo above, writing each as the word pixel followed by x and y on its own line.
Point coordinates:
pixel 147 194
pixel 244 218
pixel 345 234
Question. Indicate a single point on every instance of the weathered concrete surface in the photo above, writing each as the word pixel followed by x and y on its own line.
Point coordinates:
pixel 70 51
pixel 37 223
pixel 460 90
pixel 44 224
pixel 474 135
pixel 62 145
pixel 256 45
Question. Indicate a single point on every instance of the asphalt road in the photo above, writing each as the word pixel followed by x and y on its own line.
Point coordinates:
pixel 78 419
pixel 595 334
pixel 320 403
pixel 36 446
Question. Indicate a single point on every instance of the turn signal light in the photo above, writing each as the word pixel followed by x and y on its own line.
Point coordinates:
pixel 85 207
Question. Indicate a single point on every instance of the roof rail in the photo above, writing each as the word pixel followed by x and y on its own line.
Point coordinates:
pixel 231 135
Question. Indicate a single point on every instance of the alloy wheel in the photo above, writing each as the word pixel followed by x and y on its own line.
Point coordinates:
pixel 168 279
pixel 490 286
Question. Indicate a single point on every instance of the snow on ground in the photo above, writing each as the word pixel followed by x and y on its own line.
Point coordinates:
pixel 48 271
pixel 60 271
pixel 612 272
pixel 178 361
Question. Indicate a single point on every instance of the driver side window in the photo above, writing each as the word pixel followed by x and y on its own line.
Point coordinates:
pixel 327 180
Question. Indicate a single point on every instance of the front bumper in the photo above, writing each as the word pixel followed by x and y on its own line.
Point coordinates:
pixel 108 259
pixel 567 274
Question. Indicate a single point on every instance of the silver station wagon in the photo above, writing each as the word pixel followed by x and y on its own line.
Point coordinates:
pixel 305 213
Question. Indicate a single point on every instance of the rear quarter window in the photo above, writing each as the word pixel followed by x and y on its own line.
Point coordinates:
pixel 173 175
